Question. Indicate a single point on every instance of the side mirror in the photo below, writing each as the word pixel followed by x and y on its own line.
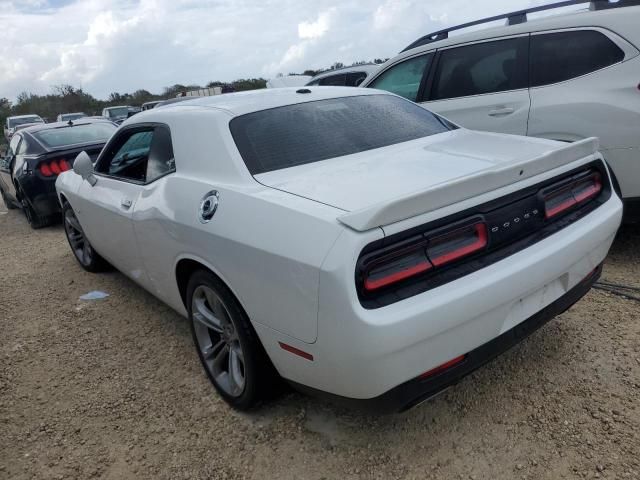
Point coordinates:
pixel 83 166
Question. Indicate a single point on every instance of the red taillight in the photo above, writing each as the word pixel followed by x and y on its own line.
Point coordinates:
pixel 457 244
pixel 588 188
pixel 443 367
pixel 423 253
pixel 397 268
pixel 45 170
pixel 560 199
pixel 55 168
pixel 64 165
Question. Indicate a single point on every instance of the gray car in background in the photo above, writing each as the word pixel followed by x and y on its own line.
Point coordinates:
pixel 344 77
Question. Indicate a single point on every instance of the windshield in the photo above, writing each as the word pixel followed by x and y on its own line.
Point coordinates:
pixel 21 121
pixel 118 112
pixel 309 132
pixel 65 117
pixel 87 133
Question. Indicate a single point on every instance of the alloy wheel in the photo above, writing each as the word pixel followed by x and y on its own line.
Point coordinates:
pixel 79 244
pixel 218 341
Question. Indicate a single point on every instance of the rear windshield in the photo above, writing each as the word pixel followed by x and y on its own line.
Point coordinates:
pixel 309 132
pixel 21 121
pixel 87 133
pixel 118 112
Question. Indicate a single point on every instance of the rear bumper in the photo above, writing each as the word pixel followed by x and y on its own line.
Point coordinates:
pixel 415 391
pixel 364 354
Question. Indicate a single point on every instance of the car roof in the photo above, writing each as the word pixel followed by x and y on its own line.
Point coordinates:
pixel 25 116
pixel 37 127
pixel 240 103
pixel 580 17
pixel 117 106
pixel 368 68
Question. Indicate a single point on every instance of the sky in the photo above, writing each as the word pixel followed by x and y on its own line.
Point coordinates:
pixel 106 46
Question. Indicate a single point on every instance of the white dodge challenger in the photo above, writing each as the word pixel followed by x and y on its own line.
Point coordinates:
pixel 346 240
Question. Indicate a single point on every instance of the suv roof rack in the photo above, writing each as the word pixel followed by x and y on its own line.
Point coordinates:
pixel 520 16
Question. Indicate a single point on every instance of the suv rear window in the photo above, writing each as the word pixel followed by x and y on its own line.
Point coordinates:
pixel 83 133
pixel 309 132
pixel 556 57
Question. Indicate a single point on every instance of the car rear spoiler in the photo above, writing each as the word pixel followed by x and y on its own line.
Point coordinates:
pixel 462 188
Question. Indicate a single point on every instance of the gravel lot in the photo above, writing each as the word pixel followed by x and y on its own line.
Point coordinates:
pixel 113 389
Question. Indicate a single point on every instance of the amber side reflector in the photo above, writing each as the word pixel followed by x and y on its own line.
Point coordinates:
pixel 443 367
pixel 296 351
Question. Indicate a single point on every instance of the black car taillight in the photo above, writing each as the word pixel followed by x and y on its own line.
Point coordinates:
pixel 52 168
pixel 397 263
pixel 564 196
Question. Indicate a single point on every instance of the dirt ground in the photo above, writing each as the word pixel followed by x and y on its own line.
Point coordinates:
pixel 113 389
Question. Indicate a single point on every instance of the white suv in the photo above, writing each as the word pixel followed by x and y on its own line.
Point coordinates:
pixel 563 77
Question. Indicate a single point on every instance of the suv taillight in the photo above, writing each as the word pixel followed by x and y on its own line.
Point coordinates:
pixel 565 195
pixel 423 253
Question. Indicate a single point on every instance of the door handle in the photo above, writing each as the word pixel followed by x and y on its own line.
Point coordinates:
pixel 125 202
pixel 501 111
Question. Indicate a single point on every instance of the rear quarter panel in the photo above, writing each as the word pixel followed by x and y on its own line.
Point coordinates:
pixel 267 246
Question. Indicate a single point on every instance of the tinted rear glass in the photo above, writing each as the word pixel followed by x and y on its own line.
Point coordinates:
pixel 309 132
pixel 556 57
pixel 87 133
pixel 21 121
pixel 118 112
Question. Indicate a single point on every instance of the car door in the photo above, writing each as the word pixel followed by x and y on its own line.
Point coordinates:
pixel 105 209
pixel 482 86
pixel 6 166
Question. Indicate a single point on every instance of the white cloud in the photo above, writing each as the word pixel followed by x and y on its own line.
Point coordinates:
pixel 124 45
pixel 318 28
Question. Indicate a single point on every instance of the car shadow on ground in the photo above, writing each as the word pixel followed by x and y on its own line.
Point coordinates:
pixel 627 241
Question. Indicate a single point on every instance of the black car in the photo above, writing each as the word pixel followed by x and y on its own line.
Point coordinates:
pixel 37 155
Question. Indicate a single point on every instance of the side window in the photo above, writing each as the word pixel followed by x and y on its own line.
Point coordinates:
pixel 481 68
pixel 333 80
pixel 313 84
pixel 161 161
pixel 404 78
pixel 127 157
pixel 139 154
pixel 556 57
pixel 355 78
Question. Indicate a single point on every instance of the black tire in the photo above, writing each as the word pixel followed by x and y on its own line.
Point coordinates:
pixel 8 203
pixel 82 250
pixel 35 220
pixel 261 380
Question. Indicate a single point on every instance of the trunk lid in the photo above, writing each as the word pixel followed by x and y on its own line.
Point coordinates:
pixel 390 184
